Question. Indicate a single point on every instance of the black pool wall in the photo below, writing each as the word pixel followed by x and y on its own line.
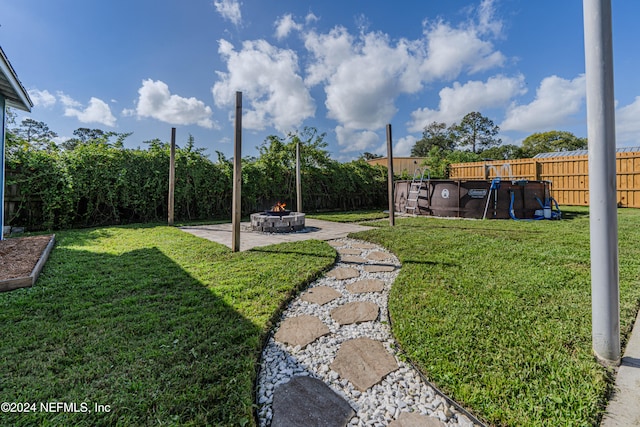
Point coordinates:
pixel 468 199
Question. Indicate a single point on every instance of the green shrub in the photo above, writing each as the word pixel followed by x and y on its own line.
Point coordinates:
pixel 97 184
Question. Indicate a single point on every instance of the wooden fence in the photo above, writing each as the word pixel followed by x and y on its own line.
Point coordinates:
pixel 401 165
pixel 569 176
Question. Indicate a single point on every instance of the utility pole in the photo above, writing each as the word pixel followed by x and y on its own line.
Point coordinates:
pixel 605 293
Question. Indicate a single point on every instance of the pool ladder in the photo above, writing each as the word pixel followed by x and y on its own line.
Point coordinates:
pixel 414 191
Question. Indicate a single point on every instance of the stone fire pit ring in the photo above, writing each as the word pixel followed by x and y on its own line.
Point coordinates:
pixel 273 223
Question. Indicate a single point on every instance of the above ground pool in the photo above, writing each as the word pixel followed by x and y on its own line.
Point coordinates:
pixel 490 199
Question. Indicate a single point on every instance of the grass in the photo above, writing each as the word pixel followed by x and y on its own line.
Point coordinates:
pixel 162 326
pixel 350 216
pixel 166 328
pixel 498 313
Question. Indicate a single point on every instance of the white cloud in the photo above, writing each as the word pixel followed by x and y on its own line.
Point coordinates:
pixel 450 51
pixel 458 100
pixel 556 99
pixel 364 75
pixel 285 25
pixel 156 101
pixel 311 18
pixel 268 79
pixel 329 51
pixel 230 10
pixel 487 21
pixel 97 111
pixel 352 140
pixel 402 148
pixel 42 98
pixel 67 101
pixel 627 123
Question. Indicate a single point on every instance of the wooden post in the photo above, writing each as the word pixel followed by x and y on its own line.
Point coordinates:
pixel 237 177
pixel 298 179
pixel 172 176
pixel 392 217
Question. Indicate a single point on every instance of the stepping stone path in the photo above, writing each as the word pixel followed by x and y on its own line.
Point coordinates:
pixel 332 360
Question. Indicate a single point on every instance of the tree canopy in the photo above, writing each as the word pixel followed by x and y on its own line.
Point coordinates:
pixel 436 135
pixel 552 141
pixel 476 131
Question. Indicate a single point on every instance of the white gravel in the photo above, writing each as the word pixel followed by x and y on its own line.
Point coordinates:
pixel 400 391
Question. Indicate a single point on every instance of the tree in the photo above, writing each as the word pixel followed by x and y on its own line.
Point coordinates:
pixel 503 152
pixel 281 152
pixel 552 141
pixel 95 136
pixel 434 135
pixel 369 156
pixel 476 131
pixel 35 134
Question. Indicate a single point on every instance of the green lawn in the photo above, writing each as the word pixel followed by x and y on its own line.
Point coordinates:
pixel 162 326
pixel 166 328
pixel 498 313
pixel 350 216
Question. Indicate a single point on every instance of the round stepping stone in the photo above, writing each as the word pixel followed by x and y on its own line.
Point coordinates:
pixel 379 268
pixel 355 312
pixel 301 330
pixel 364 362
pixel 306 401
pixel 414 419
pixel 320 295
pixel 379 256
pixel 349 251
pixel 343 273
pixel 366 285
pixel 353 259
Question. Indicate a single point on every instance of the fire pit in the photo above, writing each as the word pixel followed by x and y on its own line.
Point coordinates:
pixel 277 220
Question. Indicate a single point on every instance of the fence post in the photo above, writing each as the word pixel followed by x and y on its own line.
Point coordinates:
pixel 172 176
pixel 237 177
pixel 392 215
pixel 298 179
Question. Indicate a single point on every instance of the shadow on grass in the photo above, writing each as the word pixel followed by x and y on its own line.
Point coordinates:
pixel 134 332
pixel 279 248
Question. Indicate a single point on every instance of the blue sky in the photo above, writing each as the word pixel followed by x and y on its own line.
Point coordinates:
pixel 347 68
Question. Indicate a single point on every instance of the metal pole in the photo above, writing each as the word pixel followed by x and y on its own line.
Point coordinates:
pixel 392 216
pixel 605 294
pixel 237 177
pixel 172 175
pixel 298 179
pixel 3 112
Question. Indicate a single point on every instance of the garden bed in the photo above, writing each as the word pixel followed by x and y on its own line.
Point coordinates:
pixel 22 260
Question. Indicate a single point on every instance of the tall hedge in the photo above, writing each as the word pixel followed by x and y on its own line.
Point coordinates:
pixel 99 184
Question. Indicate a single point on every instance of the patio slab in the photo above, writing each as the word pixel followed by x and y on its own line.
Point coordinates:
pixel 315 229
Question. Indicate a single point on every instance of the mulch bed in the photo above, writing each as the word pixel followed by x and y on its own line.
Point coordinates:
pixel 19 256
